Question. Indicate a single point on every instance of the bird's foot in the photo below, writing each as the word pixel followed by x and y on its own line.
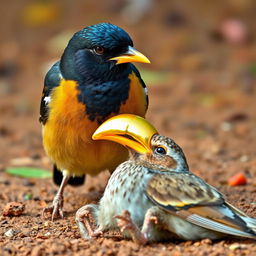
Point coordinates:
pixel 83 222
pixel 150 221
pixel 56 208
pixel 125 223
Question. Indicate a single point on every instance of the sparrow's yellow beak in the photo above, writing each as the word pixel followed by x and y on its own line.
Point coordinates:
pixel 131 55
pixel 129 130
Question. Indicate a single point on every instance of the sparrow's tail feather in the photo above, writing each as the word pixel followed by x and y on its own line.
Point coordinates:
pixel 251 223
pixel 222 219
pixel 219 227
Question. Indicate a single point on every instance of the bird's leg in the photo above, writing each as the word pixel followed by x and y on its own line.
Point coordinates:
pixel 57 204
pixel 84 224
pixel 125 223
pixel 150 220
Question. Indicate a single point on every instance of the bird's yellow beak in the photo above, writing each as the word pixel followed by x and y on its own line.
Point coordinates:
pixel 129 130
pixel 131 55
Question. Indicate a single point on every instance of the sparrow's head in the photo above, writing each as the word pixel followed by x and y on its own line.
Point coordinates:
pixel 97 49
pixel 147 147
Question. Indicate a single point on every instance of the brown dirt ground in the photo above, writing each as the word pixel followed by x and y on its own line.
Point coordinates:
pixel 206 103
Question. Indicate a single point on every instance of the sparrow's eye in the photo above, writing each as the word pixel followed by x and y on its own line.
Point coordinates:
pixel 99 50
pixel 160 150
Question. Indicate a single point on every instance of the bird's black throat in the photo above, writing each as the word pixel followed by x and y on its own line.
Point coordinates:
pixel 103 88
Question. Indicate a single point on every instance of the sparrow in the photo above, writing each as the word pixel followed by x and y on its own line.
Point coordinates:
pixel 93 81
pixel 154 197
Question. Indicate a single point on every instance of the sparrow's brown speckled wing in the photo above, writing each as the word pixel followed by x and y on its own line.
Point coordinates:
pixel 189 197
pixel 176 191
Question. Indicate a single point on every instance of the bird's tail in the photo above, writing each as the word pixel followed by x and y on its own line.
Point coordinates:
pixel 251 223
pixel 73 181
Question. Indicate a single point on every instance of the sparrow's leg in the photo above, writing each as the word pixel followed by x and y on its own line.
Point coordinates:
pixel 125 223
pixel 57 204
pixel 83 221
pixel 150 222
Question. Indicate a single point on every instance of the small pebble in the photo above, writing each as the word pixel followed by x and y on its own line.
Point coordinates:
pixel 47 234
pixel 236 246
pixel 226 126
pixel 46 223
pixel 196 244
pixel 21 161
pixel 206 241
pixel 10 233
pixel 244 158
pixel 13 209
pixel 28 183
pixel 3 222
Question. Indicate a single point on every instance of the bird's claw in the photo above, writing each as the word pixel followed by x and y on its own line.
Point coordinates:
pixel 124 221
pixel 97 233
pixel 153 219
pixel 83 222
pixel 55 209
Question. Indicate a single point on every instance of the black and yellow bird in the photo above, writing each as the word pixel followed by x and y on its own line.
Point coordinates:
pixel 93 81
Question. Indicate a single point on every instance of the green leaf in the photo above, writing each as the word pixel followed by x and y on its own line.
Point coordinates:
pixel 27 196
pixel 29 172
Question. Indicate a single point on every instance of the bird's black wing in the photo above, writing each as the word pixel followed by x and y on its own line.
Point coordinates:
pixel 52 80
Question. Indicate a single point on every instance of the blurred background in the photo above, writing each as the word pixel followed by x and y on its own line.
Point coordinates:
pixel 201 81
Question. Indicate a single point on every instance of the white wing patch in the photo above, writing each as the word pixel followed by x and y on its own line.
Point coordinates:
pixel 47 100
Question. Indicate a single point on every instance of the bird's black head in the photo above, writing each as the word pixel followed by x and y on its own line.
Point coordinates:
pixel 89 53
pixel 105 39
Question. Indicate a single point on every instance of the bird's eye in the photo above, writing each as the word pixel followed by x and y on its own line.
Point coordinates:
pixel 160 150
pixel 99 50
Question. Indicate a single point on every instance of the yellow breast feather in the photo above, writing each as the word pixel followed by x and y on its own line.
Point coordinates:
pixel 67 132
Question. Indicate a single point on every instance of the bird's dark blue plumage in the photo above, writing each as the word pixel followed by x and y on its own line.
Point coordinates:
pixel 103 86
pixel 79 54
pixel 104 34
pixel 103 99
